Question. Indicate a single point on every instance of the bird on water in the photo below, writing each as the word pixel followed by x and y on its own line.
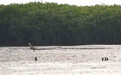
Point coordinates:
pixel 32 47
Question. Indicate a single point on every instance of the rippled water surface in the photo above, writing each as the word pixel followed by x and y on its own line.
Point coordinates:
pixel 61 60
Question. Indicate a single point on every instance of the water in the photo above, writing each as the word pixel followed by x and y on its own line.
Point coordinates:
pixel 65 60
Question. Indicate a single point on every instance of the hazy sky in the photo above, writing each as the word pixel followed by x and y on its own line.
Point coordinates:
pixel 71 2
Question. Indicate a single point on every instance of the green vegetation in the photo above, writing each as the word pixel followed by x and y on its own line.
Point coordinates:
pixel 59 24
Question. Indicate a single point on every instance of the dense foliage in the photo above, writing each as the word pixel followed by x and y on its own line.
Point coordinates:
pixel 59 24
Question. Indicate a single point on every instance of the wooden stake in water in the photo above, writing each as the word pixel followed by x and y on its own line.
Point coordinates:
pixel 105 59
pixel 35 58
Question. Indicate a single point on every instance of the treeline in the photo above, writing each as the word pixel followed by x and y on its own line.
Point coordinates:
pixel 59 24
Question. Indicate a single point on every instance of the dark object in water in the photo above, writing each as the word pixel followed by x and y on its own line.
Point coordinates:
pixel 105 59
pixel 35 58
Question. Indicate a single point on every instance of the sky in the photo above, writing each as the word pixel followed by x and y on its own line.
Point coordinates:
pixel 71 2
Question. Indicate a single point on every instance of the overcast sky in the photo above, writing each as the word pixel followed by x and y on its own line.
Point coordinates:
pixel 71 2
